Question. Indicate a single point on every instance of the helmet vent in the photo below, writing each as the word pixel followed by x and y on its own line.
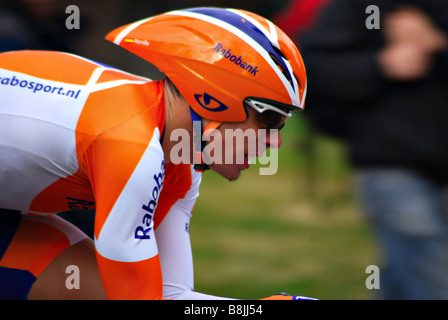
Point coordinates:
pixel 281 65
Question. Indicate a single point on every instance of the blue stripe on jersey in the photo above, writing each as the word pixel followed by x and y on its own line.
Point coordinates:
pixel 15 284
pixel 247 27
pixel 9 223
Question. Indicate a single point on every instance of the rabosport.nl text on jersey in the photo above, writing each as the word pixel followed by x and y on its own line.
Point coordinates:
pixel 39 87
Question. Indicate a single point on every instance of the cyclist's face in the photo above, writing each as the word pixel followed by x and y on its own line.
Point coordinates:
pixel 232 144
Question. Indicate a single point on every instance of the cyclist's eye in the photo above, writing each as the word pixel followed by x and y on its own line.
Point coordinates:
pixel 271 120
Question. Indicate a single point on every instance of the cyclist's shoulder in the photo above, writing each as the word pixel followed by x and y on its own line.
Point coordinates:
pixel 50 65
pixel 63 67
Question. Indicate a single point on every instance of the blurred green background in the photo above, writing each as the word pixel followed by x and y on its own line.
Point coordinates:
pixel 299 231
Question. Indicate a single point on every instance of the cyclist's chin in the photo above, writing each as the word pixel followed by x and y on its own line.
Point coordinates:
pixel 228 171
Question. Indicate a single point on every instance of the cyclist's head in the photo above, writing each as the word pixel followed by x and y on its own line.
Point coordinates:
pixel 222 61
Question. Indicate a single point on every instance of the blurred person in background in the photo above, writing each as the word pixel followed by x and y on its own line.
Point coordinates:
pixel 384 92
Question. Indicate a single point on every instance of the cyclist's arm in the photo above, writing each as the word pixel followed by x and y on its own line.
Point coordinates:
pixel 176 259
pixel 173 240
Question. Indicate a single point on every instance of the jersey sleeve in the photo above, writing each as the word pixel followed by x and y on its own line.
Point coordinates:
pixel 125 166
pixel 173 233
pixel 127 196
pixel 173 221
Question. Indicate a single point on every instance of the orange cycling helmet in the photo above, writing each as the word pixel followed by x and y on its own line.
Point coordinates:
pixel 220 59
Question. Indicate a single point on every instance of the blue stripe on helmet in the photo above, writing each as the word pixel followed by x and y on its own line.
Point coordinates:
pixel 247 27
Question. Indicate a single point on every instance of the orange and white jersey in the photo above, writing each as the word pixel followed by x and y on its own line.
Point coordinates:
pixel 75 134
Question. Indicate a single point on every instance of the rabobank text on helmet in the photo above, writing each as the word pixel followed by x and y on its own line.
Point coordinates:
pixel 226 53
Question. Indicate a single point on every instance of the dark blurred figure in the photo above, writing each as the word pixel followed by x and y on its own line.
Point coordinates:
pixel 385 93
pixel 35 24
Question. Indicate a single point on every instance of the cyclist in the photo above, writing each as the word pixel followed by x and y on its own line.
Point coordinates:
pixel 76 134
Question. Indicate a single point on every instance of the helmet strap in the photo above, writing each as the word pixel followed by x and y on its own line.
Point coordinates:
pixel 201 134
